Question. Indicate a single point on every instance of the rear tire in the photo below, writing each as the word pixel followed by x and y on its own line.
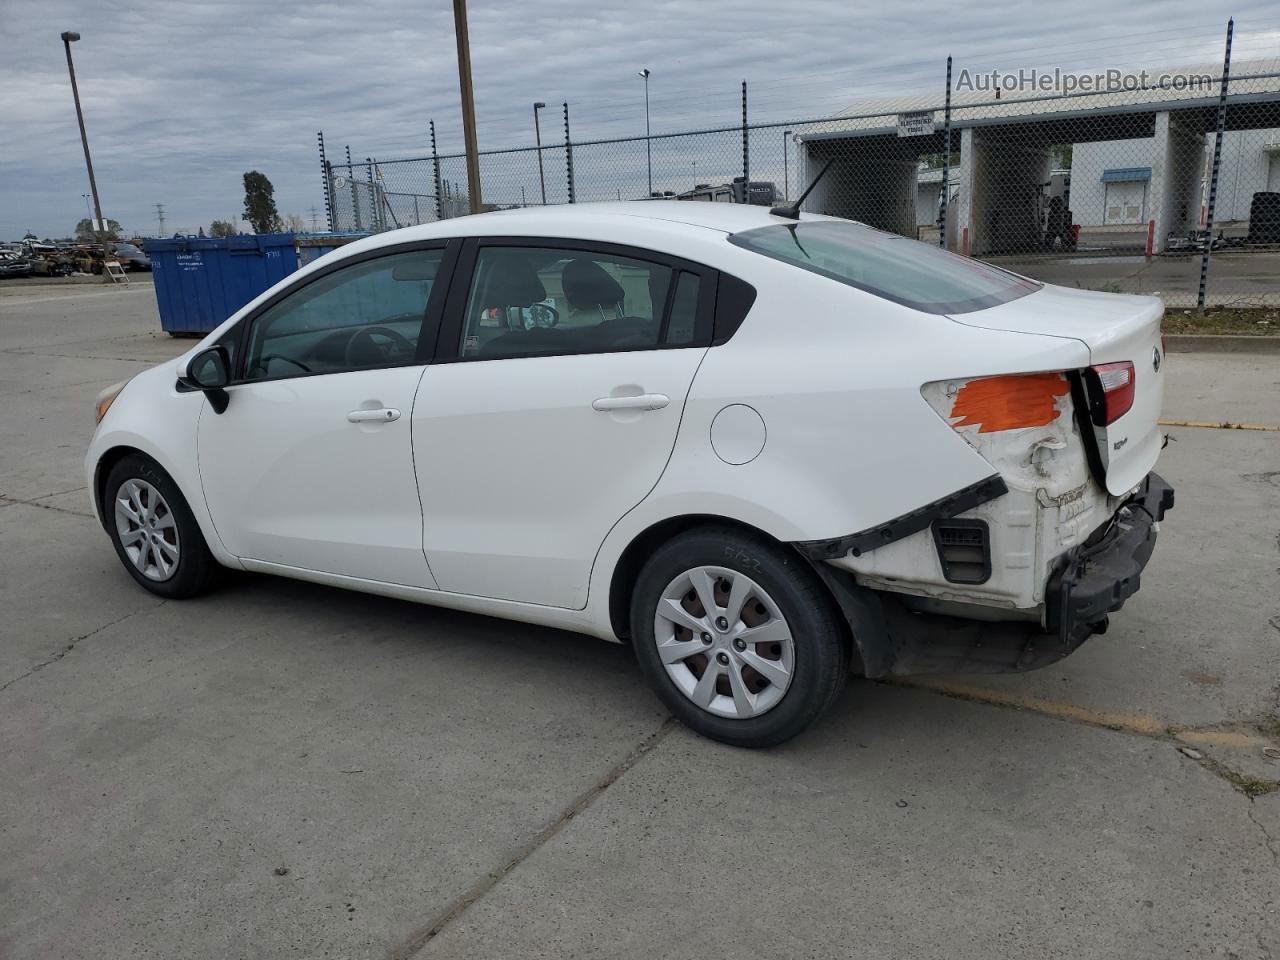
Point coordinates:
pixel 766 663
pixel 154 531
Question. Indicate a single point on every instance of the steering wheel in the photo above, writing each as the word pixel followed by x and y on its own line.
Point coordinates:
pixel 363 339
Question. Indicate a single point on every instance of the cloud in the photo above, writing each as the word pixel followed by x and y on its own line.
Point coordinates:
pixel 181 98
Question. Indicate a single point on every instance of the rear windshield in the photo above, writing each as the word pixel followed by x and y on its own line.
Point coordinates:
pixel 905 271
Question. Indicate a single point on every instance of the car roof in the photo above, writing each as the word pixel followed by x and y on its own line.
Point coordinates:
pixel 724 217
pixel 687 228
pixel 560 219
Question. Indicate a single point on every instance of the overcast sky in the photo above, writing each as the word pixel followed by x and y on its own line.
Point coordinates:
pixel 181 98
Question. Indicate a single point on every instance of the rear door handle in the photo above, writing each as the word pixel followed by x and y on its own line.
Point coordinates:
pixel 385 415
pixel 645 401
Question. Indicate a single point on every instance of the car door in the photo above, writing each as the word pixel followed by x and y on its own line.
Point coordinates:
pixel 561 374
pixel 311 463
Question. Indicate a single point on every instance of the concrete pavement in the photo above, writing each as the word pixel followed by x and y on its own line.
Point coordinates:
pixel 279 769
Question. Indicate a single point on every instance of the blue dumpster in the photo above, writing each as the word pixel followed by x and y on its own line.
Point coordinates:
pixel 200 281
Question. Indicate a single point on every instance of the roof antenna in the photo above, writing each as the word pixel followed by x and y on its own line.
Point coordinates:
pixel 792 210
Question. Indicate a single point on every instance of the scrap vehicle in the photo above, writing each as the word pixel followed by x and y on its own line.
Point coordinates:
pixel 13 265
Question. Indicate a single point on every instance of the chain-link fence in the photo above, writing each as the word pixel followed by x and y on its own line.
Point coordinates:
pixel 1130 183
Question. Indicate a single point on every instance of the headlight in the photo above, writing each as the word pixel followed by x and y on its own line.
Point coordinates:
pixel 105 399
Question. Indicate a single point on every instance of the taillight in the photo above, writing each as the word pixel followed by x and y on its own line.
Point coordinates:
pixel 1011 402
pixel 1111 387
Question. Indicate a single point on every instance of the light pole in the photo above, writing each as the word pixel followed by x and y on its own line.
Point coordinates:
pixel 786 178
pixel 648 144
pixel 69 37
pixel 537 138
pixel 88 209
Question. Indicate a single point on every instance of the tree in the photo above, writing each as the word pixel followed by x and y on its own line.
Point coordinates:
pixel 31 236
pixel 260 204
pixel 86 233
pixel 294 223
pixel 221 228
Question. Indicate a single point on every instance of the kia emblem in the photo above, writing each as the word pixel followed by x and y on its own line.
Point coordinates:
pixel 1155 359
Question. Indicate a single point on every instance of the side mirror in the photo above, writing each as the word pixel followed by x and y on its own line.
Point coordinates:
pixel 210 371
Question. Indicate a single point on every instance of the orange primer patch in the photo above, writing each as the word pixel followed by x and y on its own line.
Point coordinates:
pixel 1008 403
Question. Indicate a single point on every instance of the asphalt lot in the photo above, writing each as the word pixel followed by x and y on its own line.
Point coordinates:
pixel 442 785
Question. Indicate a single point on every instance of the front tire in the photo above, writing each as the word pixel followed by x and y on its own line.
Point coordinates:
pixel 154 531
pixel 737 636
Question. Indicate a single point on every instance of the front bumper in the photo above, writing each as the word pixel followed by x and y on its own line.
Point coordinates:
pixel 1096 578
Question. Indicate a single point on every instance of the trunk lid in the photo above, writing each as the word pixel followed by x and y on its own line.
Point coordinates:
pixel 1116 329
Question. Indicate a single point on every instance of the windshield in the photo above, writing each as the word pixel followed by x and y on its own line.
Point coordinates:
pixel 908 272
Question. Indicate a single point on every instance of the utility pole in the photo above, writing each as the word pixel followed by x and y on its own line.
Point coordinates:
pixel 537 139
pixel 160 218
pixel 69 37
pixel 315 219
pixel 468 102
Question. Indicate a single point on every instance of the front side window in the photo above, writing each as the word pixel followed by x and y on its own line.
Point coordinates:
pixel 367 315
pixel 542 301
pixel 908 272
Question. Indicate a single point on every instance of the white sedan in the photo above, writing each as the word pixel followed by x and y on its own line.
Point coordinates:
pixel 761 448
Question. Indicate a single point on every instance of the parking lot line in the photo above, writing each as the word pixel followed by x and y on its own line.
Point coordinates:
pixel 1135 723
pixel 1221 425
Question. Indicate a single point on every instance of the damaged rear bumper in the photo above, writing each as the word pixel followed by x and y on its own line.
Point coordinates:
pixel 1097 577
pixel 1088 583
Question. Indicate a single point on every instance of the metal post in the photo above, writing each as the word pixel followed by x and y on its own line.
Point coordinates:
pixel 69 37
pixel 568 151
pixel 435 162
pixel 648 143
pixel 786 174
pixel 946 163
pixel 326 176
pixel 746 158
pixel 1217 164
pixel 468 103
pixel 355 193
pixel 537 139
pixel 375 211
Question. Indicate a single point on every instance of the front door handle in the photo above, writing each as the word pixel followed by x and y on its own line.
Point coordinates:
pixel 645 401
pixel 385 415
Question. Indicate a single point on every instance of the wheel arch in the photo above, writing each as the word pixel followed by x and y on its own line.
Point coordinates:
pixel 632 559
pixel 102 469
pixel 627 569
pixel 865 631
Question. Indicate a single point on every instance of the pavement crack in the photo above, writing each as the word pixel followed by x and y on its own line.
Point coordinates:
pixel 424 935
pixel 1269 840
pixel 47 506
pixel 72 643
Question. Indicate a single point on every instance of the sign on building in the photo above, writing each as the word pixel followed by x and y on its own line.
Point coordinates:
pixel 918 124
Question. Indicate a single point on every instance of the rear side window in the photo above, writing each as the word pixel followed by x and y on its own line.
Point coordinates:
pixel 905 271
pixel 553 301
